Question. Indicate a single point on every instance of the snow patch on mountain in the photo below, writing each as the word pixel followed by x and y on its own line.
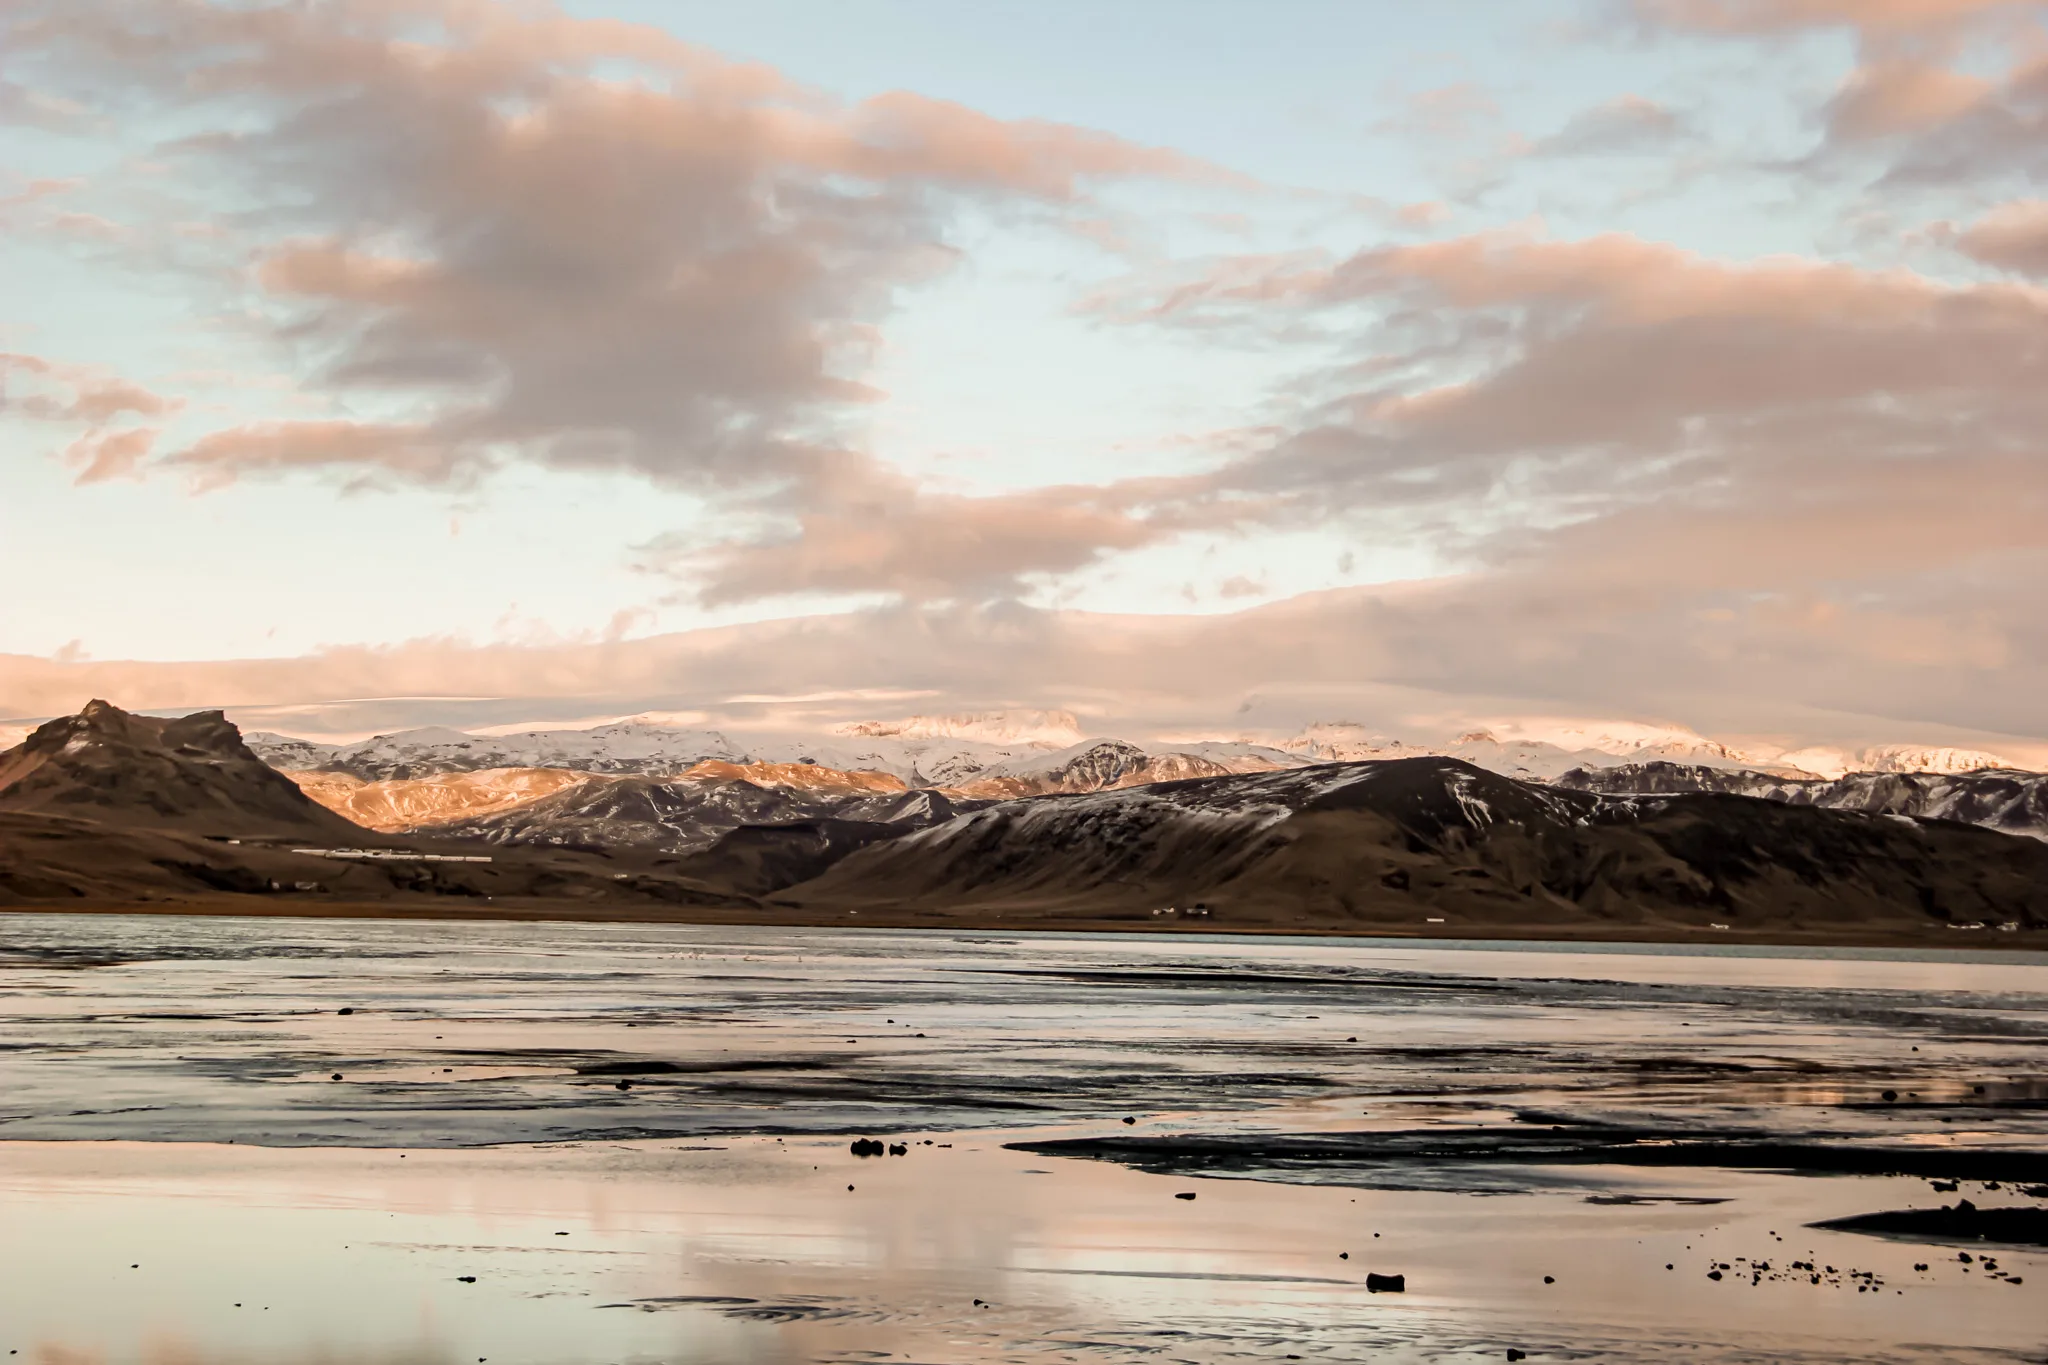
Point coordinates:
pixel 1537 760
pixel 1537 749
pixel 1622 738
pixel 1903 758
pixel 1038 729
pixel 1105 764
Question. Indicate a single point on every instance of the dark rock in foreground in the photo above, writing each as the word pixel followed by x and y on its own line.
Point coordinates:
pixel 1369 1159
pixel 1959 1222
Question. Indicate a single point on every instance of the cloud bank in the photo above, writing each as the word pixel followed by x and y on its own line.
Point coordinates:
pixel 1798 493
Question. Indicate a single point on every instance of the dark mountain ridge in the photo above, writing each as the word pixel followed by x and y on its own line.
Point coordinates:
pixel 2004 799
pixel 1407 842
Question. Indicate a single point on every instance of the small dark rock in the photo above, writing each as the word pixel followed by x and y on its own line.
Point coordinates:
pixel 1190 1194
pixel 1550 1279
pixel 337 1076
pixel 1513 1354
pixel 345 1010
pixel 1130 1120
pixel 1386 1284
pixel 1890 1095
pixel 467 1279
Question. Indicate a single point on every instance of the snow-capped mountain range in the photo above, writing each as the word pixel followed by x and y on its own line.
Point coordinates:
pixel 1525 755
pixel 1015 753
pixel 112 807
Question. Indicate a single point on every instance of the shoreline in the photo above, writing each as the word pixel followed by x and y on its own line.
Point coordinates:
pixel 1649 935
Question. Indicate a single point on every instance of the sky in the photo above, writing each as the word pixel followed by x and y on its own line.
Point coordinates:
pixel 1191 365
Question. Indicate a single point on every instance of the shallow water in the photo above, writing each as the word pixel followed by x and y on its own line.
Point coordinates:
pixel 179 1147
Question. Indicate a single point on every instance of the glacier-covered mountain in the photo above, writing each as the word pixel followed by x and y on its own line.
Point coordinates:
pixel 639 748
pixel 475 782
pixel 1539 754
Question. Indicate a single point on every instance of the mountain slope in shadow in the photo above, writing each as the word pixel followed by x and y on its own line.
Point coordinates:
pixel 1408 842
pixel 191 774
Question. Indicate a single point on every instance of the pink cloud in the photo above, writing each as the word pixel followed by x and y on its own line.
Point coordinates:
pixel 2012 237
pixel 576 242
pixel 1770 16
pixel 1912 101
pixel 1900 96
pixel 81 395
pixel 1616 421
pixel 1829 665
pixel 514 235
pixel 102 455
pixel 886 536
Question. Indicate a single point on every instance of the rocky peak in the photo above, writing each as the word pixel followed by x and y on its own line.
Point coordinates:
pixel 190 772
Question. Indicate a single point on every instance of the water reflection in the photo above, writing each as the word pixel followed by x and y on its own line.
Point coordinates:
pixel 341 1223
